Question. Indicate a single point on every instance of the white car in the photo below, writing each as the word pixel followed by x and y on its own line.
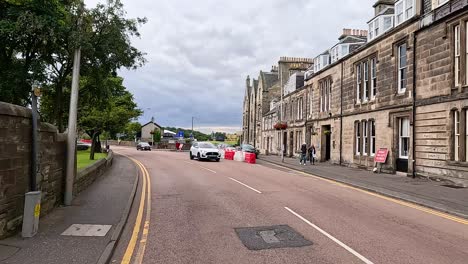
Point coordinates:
pixel 204 150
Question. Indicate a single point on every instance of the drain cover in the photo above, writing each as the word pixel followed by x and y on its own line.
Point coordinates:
pixel 87 230
pixel 267 237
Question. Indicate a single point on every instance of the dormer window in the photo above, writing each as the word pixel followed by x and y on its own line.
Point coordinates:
pixel 404 10
pixel 379 25
pixel 438 3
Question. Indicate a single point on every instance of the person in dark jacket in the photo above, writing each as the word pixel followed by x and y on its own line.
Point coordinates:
pixel 312 154
pixel 303 154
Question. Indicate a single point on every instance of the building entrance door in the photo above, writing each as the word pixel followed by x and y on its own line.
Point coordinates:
pixel 403 144
pixel 291 144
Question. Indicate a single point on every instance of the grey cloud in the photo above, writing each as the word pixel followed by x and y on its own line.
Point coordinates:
pixel 199 52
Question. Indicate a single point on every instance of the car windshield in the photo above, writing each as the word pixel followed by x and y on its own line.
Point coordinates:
pixel 144 144
pixel 206 145
pixel 248 147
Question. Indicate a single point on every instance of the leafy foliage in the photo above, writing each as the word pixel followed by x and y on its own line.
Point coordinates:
pixel 198 135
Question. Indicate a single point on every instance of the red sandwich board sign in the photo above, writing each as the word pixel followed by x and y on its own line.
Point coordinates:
pixel 381 155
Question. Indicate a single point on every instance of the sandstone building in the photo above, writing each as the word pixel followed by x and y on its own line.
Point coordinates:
pixel 401 85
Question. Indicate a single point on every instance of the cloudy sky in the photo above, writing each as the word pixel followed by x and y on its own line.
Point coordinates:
pixel 200 52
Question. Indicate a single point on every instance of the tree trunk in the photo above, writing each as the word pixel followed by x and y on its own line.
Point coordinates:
pixel 93 145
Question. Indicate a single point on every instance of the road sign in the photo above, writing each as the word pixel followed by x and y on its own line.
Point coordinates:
pixel 381 155
pixel 180 134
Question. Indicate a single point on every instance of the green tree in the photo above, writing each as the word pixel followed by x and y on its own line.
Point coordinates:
pixel 111 114
pixel 156 136
pixel 131 130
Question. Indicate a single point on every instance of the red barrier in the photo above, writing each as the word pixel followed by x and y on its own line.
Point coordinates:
pixel 229 155
pixel 250 157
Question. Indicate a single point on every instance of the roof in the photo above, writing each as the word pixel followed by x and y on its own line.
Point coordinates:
pixel 169 132
pixel 384 2
pixel 151 122
pixel 269 79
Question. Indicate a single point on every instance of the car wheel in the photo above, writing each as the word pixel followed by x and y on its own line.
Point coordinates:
pixel 198 157
pixel 217 160
pixel 191 156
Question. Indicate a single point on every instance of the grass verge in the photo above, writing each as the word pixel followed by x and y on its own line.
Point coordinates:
pixel 83 161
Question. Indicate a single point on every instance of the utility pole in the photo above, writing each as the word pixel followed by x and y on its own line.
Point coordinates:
pixel 192 136
pixel 72 119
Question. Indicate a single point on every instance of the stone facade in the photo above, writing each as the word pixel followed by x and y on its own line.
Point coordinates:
pixel 406 91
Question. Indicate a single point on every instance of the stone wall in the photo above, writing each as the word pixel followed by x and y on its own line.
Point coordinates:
pixel 15 165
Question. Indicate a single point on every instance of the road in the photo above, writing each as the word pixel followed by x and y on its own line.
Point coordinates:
pixel 194 210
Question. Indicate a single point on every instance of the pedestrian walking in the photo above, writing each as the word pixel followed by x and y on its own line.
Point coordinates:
pixel 312 154
pixel 303 154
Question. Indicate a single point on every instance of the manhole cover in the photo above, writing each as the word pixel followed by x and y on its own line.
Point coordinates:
pixel 267 237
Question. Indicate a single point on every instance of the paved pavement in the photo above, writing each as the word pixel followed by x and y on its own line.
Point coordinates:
pixel 101 204
pixel 422 191
pixel 200 210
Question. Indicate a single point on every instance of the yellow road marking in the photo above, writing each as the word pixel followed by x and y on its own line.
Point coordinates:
pixel 136 229
pixel 144 237
pixel 394 200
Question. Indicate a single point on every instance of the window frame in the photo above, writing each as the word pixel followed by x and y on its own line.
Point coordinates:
pixel 358 82
pixel 404 137
pixel 372 145
pixel 402 69
pixel 456 135
pixel 373 82
pixel 365 91
pixel 357 136
pixel 365 128
pixel 457 55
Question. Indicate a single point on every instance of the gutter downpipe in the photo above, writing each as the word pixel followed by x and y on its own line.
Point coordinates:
pixel 341 114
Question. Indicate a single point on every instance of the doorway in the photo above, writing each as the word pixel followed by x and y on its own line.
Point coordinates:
pixel 285 141
pixel 326 142
pixel 403 144
pixel 267 146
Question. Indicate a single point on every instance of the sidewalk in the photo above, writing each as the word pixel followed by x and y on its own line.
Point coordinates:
pixel 420 191
pixel 103 203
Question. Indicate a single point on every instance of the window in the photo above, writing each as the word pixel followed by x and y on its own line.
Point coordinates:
pixel 371 30
pixel 399 13
pixel 402 64
pixel 457 135
pixel 358 138
pixel 373 77
pixel 409 9
pixel 437 3
pixel 376 27
pixel 372 137
pixel 388 23
pixel 404 10
pixel 366 79
pixel 404 138
pixel 325 95
pixel 364 137
pixel 359 83
pixel 457 55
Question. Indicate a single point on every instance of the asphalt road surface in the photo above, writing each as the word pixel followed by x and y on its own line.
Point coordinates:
pixel 195 209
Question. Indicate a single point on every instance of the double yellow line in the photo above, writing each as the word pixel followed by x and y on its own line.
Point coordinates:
pixel 397 201
pixel 145 193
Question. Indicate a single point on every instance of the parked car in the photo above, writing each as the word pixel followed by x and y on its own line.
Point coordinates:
pixel 204 150
pixel 143 146
pixel 250 149
pixel 81 146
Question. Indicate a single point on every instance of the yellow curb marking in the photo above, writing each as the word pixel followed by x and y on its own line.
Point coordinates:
pixel 400 202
